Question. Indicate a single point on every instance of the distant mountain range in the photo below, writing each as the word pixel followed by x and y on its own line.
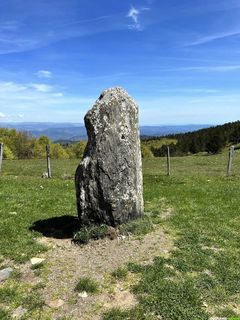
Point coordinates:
pixel 77 131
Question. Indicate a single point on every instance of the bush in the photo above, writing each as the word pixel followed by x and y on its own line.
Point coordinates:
pixel 57 152
pixel 146 152
pixel 7 153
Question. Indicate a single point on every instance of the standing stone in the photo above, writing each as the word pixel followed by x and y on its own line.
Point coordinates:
pixel 109 178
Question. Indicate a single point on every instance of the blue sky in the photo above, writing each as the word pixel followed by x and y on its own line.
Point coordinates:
pixel 180 60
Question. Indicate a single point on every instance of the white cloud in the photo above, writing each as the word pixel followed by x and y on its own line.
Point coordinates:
pixel 40 87
pixel 134 14
pixel 24 105
pixel 214 37
pixel 220 68
pixel 11 87
pixel 38 34
pixel 44 74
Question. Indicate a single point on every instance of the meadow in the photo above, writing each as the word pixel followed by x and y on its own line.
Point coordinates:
pixel 199 278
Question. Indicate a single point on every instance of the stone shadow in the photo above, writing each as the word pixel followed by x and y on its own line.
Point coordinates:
pixel 57 227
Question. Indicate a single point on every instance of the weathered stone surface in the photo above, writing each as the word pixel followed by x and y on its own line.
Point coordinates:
pixel 109 178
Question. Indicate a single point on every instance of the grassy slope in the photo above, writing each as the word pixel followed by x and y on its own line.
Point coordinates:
pixel 200 278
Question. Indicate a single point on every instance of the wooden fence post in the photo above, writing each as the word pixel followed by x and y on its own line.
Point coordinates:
pixel 230 161
pixel 1 155
pixel 48 162
pixel 168 161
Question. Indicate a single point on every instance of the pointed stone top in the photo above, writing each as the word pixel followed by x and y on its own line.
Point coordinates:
pixel 114 90
pixel 113 94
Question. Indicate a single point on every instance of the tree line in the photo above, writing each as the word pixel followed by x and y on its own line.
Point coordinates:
pixel 211 140
pixel 22 145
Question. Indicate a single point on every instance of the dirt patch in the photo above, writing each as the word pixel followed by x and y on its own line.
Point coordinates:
pixel 67 262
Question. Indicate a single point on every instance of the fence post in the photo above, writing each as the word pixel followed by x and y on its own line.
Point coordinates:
pixel 1 155
pixel 168 161
pixel 230 160
pixel 48 161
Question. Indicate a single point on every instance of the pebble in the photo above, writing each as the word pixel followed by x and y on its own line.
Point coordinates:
pixel 35 261
pixel 83 294
pixel 55 304
pixel 5 274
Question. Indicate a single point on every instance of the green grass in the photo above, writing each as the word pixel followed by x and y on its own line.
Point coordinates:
pixel 88 285
pixel 4 315
pixel 120 273
pixel 86 233
pixel 25 198
pixel 138 227
pixel 201 276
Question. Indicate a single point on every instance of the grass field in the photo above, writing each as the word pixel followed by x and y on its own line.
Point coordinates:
pixel 201 276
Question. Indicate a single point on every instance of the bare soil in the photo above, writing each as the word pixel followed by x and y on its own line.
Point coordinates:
pixel 66 263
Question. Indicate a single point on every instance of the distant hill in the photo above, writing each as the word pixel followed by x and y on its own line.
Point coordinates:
pixel 156 131
pixel 77 131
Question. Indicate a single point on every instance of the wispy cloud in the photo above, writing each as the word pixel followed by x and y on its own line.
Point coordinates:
pixel 41 87
pixel 26 103
pixel 44 74
pixel 134 15
pixel 11 87
pixel 29 30
pixel 222 68
pixel 20 38
pixel 9 25
pixel 35 33
pixel 214 37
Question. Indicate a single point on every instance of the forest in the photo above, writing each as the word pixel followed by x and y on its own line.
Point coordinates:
pixel 211 140
pixel 21 145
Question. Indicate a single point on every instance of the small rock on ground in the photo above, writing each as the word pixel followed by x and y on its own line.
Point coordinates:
pixel 55 304
pixel 36 261
pixel 83 294
pixel 5 274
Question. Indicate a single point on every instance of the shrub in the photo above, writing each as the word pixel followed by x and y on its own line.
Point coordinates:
pixel 146 152
pixel 7 153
